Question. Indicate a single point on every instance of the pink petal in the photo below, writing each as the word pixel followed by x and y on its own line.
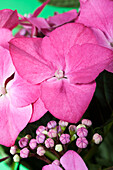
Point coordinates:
pixel 21 92
pixel 5 37
pixel 26 54
pixel 12 120
pixel 38 110
pixel 69 35
pixel 67 101
pixel 8 19
pixel 60 19
pixel 51 167
pixel 39 9
pixel 72 161
pixel 94 14
pixel 85 62
pixel 6 66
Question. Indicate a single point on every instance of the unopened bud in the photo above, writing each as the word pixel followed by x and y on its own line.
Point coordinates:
pixel 58 148
pixel 97 138
pixel 81 142
pixel 33 143
pixel 28 137
pixel 56 162
pixel 23 142
pixel 40 129
pixel 52 133
pixel 73 137
pixel 51 124
pixel 80 125
pixel 40 138
pixel 13 149
pixel 40 151
pixel 49 143
pixel 82 132
pixel 87 122
pixel 72 129
pixel 16 158
pixel 65 138
pixel 63 123
pixel 24 153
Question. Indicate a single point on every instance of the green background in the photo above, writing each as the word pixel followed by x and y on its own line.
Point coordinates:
pixel 26 7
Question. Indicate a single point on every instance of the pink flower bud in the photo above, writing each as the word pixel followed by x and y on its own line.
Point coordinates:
pixel 13 149
pixel 59 129
pixel 63 123
pixel 24 153
pixel 97 138
pixel 72 128
pixel 65 138
pixel 51 124
pixel 52 133
pixel 33 143
pixel 82 132
pixel 49 143
pixel 40 151
pixel 40 129
pixel 23 142
pixel 56 162
pixel 81 142
pixel 40 138
pixel 86 122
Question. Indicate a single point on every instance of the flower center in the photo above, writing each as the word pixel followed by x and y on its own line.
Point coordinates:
pixel 2 91
pixel 59 74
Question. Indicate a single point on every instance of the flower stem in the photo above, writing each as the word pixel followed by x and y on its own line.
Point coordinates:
pixel 50 155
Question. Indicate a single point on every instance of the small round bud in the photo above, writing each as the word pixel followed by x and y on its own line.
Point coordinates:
pixel 81 142
pixel 24 153
pixel 82 132
pixel 58 148
pixel 40 129
pixel 52 133
pixel 16 158
pixel 56 162
pixel 40 151
pixel 49 143
pixel 28 137
pixel 65 138
pixel 86 122
pixel 63 123
pixel 33 143
pixel 51 124
pixel 72 128
pixel 58 129
pixel 23 142
pixel 40 138
pixel 80 125
pixel 13 149
pixel 97 138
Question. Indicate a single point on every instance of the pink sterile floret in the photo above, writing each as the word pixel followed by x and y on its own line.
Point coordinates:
pixel 101 21
pixel 71 49
pixel 70 161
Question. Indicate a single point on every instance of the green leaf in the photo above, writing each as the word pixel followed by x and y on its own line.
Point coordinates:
pixel 64 3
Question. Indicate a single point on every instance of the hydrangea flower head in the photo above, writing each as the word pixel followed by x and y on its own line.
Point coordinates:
pixel 65 64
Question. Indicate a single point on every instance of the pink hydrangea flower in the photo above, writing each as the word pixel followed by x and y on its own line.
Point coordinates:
pixel 66 64
pixel 95 14
pixel 70 161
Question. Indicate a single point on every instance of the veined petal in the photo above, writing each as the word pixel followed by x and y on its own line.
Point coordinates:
pixel 8 18
pixel 85 62
pixel 72 161
pixel 6 65
pixel 12 120
pixel 28 60
pixel 38 110
pixel 67 101
pixel 21 92
pixel 5 37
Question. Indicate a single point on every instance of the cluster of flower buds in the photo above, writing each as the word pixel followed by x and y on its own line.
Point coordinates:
pixel 53 137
